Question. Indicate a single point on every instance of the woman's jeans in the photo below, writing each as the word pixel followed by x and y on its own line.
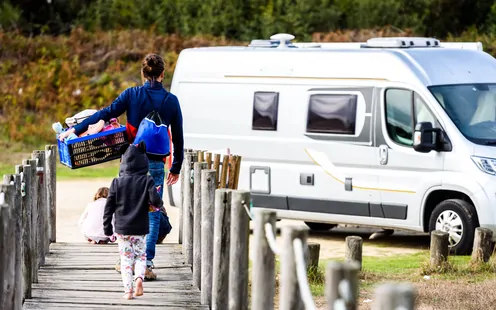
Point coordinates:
pixel 157 171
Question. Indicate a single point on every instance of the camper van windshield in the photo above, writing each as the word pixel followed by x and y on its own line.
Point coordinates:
pixel 472 107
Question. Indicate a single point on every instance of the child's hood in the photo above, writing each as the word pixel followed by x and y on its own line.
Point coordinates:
pixel 134 159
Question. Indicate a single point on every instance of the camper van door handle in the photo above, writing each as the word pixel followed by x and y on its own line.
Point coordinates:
pixel 383 154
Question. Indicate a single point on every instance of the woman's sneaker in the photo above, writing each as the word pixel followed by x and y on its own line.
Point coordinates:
pixel 149 274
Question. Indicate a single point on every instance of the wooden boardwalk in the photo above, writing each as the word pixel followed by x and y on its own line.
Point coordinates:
pixel 82 276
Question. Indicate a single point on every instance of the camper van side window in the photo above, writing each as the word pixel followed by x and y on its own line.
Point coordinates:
pixel 332 113
pixel 265 109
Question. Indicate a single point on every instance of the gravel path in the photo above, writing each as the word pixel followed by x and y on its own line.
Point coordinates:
pixel 73 195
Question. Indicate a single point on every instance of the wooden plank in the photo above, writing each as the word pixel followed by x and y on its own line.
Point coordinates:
pixel 236 175
pixel 150 286
pixel 32 305
pixel 232 172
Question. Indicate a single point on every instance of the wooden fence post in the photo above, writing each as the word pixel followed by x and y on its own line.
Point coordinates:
pixel 342 285
pixel 290 297
pixel 51 184
pixel 16 204
pixel 32 200
pixel 353 250
pixel 313 256
pixel 42 216
pixel 263 266
pixel 239 248
pixel 439 248
pixel 26 186
pixel 393 296
pixel 183 180
pixel 197 211
pixel 482 251
pixel 7 247
pixel 188 208
pixel 222 223
pixel 208 187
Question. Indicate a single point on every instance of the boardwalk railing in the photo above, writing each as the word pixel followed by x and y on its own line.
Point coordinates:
pixel 27 224
pixel 215 239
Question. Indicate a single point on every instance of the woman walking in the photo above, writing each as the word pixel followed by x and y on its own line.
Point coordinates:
pixel 138 102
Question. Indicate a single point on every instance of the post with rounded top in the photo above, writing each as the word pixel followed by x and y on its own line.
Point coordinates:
pixel 51 198
pixel 208 186
pixel 222 241
pixel 27 256
pixel 238 255
pixel 290 296
pixel 7 247
pixel 190 159
pixel 197 210
pixel 263 266
pixel 342 285
pixel 16 205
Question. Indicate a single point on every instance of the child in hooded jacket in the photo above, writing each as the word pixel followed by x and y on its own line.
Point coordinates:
pixel 129 198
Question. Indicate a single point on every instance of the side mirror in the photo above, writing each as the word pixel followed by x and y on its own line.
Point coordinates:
pixel 425 137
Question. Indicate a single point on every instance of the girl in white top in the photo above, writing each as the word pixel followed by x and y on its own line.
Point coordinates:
pixel 91 221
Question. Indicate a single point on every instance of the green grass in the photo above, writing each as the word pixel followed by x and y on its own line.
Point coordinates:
pixel 106 170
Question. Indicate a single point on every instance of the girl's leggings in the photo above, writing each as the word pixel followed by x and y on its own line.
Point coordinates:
pixel 133 252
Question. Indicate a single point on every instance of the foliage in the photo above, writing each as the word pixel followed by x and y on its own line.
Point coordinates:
pixel 244 20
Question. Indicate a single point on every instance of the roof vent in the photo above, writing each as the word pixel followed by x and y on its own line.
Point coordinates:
pixel 402 42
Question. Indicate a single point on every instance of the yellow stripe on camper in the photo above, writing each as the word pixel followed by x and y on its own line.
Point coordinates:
pixel 354 186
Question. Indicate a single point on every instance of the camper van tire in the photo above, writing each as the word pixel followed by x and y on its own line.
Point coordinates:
pixel 458 218
pixel 320 226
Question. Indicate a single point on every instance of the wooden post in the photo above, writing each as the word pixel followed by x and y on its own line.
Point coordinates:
pixel 239 248
pixel 342 285
pixel 290 297
pixel 16 204
pixel 42 215
pixel 183 180
pixel 33 201
pixel 26 188
pixel 217 167
pixel 201 156
pixel 353 250
pixel 439 248
pixel 313 256
pixel 209 160
pixel 232 172
pixel 188 208
pixel 197 211
pixel 482 245
pixel 208 186
pixel 7 247
pixel 222 223
pixel 223 174
pixel 51 183
pixel 393 296
pixel 263 265
pixel 238 167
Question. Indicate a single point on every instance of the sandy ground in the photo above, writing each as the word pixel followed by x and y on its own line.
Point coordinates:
pixel 73 195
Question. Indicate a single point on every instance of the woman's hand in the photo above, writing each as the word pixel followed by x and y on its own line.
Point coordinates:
pixel 66 133
pixel 172 178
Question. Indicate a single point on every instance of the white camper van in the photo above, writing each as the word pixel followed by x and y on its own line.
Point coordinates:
pixel 394 133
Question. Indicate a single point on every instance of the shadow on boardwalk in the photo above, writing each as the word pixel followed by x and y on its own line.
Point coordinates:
pixel 82 276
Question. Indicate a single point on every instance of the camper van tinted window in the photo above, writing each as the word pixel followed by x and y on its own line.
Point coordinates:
pixel 404 109
pixel 265 109
pixel 329 113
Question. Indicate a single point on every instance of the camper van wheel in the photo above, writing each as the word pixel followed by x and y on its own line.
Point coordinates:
pixel 320 226
pixel 458 218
